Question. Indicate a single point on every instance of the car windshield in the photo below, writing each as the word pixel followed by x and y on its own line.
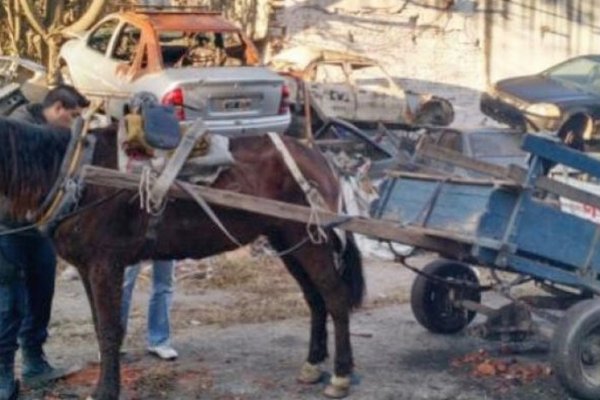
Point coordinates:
pixel 368 75
pixel 581 72
pixel 202 49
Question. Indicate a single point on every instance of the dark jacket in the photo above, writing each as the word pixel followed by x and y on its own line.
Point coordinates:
pixel 32 113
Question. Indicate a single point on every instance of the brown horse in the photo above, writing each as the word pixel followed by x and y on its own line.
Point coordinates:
pixel 108 231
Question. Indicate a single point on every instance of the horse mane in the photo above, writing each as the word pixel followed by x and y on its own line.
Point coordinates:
pixel 30 158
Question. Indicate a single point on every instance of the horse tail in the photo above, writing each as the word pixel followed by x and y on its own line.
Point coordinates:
pixel 352 274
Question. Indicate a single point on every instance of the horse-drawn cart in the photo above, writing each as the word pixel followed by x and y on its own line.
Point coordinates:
pixel 513 223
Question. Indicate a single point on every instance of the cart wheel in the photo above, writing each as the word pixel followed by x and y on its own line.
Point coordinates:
pixel 432 302
pixel 576 350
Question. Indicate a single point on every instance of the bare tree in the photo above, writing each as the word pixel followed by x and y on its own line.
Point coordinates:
pixel 37 28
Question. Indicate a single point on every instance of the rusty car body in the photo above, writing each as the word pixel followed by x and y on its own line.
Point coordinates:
pixel 355 88
pixel 194 60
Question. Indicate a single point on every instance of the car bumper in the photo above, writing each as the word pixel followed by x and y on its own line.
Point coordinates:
pixel 247 127
pixel 501 111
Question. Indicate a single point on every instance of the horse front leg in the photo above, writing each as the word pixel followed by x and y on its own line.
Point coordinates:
pixel 106 281
pixel 85 280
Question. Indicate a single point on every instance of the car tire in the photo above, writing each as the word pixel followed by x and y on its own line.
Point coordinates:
pixel 575 129
pixel 437 111
pixel 65 75
pixel 296 127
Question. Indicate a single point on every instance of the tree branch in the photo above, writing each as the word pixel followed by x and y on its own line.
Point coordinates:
pixel 91 15
pixel 32 17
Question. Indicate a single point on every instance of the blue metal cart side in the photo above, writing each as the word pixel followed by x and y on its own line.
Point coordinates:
pixel 510 223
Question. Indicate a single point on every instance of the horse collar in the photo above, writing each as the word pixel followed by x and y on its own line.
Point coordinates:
pixel 67 188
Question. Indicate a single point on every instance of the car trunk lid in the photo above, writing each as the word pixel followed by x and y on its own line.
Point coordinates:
pixel 228 92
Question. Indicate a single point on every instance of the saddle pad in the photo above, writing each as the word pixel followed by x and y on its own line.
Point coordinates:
pixel 206 169
pixel 161 126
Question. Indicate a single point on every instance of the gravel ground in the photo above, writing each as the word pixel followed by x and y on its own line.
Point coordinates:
pixel 395 357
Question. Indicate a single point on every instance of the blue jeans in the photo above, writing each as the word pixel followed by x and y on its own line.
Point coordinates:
pixel 159 309
pixel 27 273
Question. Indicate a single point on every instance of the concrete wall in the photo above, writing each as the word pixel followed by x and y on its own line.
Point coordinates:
pixel 449 47
pixel 524 36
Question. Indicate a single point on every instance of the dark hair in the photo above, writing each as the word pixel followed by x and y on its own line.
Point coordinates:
pixel 68 96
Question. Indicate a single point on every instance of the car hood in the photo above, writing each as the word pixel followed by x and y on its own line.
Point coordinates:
pixel 539 89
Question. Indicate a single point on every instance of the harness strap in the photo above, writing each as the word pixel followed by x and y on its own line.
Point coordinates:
pixel 209 211
pixel 313 196
pixel 70 165
pixel 175 163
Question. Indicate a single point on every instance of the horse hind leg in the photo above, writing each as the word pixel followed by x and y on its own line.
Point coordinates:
pixel 337 295
pixel 317 264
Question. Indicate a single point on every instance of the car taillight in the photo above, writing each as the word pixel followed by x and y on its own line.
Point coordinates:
pixel 284 105
pixel 175 98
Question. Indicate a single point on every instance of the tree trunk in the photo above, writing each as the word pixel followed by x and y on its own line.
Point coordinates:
pixel 92 14
pixel 52 31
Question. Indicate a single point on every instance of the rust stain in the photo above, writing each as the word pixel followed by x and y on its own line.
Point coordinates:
pixel 89 376
pixel 487 42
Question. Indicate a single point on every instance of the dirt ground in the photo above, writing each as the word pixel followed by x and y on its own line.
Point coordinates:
pixel 241 328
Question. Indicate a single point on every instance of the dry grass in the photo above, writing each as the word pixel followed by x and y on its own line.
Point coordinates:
pixel 157 382
pixel 261 287
pixel 256 289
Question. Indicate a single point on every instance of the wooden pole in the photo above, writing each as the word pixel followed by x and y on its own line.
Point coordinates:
pixel 387 230
pixel 308 133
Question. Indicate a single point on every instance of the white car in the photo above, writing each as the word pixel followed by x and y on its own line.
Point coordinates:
pixel 355 88
pixel 196 61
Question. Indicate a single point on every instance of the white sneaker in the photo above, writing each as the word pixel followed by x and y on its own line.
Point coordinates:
pixel 163 351
pixel 69 274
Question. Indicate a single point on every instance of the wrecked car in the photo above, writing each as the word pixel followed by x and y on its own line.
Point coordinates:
pixel 21 81
pixel 338 137
pixel 355 88
pixel 498 146
pixel 196 61
pixel 564 98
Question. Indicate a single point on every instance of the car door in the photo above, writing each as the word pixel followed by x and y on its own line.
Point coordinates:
pixel 329 86
pixel 92 76
pixel 376 99
pixel 124 64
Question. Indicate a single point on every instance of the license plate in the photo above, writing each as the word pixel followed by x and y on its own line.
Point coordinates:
pixel 236 104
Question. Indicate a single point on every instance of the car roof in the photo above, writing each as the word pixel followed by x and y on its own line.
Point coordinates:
pixel 301 56
pixel 182 21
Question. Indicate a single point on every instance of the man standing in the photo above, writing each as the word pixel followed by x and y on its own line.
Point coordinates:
pixel 28 267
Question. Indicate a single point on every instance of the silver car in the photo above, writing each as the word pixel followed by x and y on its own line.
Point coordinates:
pixel 198 62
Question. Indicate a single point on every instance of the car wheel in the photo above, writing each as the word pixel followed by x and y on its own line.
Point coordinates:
pixel 575 130
pixel 435 112
pixel 296 127
pixel 65 75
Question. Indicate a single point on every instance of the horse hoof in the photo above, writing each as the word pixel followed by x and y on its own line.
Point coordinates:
pixel 338 388
pixel 310 373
